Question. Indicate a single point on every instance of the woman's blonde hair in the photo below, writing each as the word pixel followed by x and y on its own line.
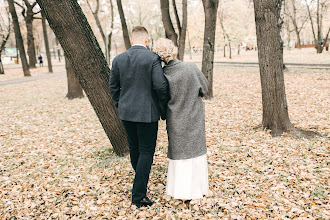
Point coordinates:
pixel 166 49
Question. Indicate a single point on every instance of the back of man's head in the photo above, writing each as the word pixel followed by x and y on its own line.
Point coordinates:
pixel 139 35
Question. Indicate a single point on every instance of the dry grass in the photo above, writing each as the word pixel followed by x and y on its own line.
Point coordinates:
pixel 55 160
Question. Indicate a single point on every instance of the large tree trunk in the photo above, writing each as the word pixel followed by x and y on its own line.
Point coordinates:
pixel 123 25
pixel 210 11
pixel 270 53
pixel 44 30
pixel 30 38
pixel 183 31
pixel 88 62
pixel 74 88
pixel 19 39
pixel 167 22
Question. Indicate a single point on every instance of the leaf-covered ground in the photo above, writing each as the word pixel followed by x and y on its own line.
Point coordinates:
pixel 56 161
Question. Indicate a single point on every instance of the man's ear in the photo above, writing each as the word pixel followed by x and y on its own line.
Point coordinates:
pixel 146 40
pixel 132 42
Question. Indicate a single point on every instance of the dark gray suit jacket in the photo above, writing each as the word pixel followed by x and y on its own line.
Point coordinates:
pixel 137 85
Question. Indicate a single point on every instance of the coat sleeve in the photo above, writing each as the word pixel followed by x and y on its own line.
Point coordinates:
pixel 159 82
pixel 203 83
pixel 114 83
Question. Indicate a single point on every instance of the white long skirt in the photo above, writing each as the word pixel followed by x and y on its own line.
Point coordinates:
pixel 187 179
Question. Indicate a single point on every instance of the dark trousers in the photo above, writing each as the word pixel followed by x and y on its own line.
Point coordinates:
pixel 142 143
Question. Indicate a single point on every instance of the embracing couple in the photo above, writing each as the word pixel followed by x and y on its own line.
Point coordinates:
pixel 143 91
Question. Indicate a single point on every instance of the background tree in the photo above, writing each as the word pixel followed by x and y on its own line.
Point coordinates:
pixel 72 31
pixel 19 39
pixel 5 29
pixel 123 25
pixel 44 30
pixel 321 9
pixel 97 20
pixel 58 47
pixel 226 37
pixel 270 47
pixel 110 33
pixel 294 10
pixel 168 24
pixel 29 16
pixel 210 11
pixel 74 88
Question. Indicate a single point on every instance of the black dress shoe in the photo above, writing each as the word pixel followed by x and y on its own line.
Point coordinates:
pixel 144 202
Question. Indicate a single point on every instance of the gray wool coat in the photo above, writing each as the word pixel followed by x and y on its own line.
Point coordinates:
pixel 185 112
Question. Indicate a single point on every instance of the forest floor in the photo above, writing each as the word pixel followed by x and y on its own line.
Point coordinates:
pixel 56 161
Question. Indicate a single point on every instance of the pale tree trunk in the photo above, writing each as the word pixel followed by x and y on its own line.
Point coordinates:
pixel 19 39
pixel 270 52
pixel 2 47
pixel 238 49
pixel 110 34
pixel 210 11
pixel 44 30
pixel 167 22
pixel 183 30
pixel 189 42
pixel 72 31
pixel 58 50
pixel 74 88
pixel 123 25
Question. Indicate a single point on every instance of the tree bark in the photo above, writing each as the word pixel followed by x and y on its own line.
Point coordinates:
pixel 210 11
pixel 270 52
pixel 123 25
pixel 167 22
pixel 177 19
pixel 44 30
pixel 19 39
pixel 74 88
pixel 183 31
pixel 88 62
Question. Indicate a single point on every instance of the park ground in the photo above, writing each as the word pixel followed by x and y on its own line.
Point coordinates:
pixel 57 163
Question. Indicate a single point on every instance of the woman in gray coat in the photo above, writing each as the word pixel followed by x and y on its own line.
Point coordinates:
pixel 187 176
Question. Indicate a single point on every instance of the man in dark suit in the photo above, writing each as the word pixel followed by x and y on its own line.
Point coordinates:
pixel 137 85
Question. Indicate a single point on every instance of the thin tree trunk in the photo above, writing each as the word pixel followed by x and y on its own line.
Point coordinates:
pixel 229 49
pixel 210 11
pixel 270 53
pixel 2 47
pixel 19 39
pixel 177 19
pixel 167 22
pixel 123 25
pixel 98 22
pixel 74 88
pixel 189 42
pixel 238 49
pixel 88 62
pixel 2 70
pixel 183 31
pixel 224 50
pixel 110 34
pixel 49 58
pixel 58 50
pixel 326 39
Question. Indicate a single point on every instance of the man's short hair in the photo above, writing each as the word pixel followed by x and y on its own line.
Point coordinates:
pixel 139 32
